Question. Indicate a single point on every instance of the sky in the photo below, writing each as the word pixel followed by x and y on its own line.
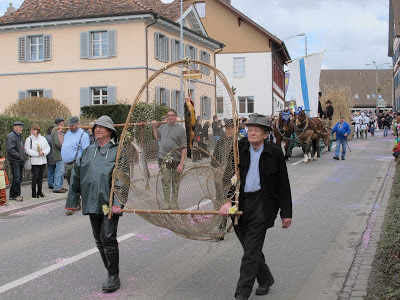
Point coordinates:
pixel 353 32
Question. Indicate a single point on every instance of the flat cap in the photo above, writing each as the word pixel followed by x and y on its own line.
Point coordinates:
pixel 58 120
pixel 18 123
pixel 73 120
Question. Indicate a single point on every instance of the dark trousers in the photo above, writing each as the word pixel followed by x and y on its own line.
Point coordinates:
pixel 16 171
pixel 105 236
pixel 37 178
pixel 251 233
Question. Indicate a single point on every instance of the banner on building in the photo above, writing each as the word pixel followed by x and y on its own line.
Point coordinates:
pixel 287 77
pixel 304 79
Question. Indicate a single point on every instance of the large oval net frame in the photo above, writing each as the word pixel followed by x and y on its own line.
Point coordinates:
pixel 145 178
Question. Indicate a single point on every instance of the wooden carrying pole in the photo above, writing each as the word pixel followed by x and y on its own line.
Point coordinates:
pixel 174 212
pixel 130 124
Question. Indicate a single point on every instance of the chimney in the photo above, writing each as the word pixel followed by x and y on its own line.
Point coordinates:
pixel 10 9
pixel 227 1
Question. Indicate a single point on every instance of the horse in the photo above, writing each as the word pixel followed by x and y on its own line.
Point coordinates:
pixel 307 130
pixel 283 129
pixel 326 133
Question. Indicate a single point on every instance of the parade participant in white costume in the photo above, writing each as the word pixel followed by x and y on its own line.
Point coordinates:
pixel 357 127
pixel 364 124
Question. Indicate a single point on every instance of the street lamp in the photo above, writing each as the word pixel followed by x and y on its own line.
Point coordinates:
pixel 376 81
pixel 299 34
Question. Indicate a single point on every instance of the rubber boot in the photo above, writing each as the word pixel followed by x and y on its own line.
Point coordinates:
pixel 34 194
pixel 39 192
pixel 113 283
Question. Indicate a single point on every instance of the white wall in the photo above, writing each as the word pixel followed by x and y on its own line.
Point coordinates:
pixel 257 81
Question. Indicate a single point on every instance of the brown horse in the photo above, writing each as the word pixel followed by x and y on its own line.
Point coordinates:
pixel 326 133
pixel 307 130
pixel 283 128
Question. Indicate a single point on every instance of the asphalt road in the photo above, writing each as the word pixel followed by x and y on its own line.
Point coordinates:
pixel 47 255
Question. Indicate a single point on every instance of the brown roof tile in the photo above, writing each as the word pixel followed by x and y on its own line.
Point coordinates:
pixel 45 10
pixel 361 83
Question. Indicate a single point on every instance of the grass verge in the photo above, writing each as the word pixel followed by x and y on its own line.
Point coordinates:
pixel 384 282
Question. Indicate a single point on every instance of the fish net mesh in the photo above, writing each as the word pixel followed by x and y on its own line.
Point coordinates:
pixel 147 179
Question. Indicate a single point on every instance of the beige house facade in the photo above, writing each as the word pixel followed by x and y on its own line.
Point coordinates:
pixel 99 56
pixel 253 58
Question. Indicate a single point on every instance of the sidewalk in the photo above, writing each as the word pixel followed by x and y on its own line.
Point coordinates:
pixel 14 206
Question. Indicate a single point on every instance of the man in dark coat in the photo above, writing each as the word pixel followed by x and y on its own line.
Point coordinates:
pixel 264 190
pixel 320 112
pixel 328 112
pixel 91 179
pixel 16 156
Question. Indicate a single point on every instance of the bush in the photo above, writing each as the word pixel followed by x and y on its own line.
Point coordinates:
pixel 119 112
pixel 38 109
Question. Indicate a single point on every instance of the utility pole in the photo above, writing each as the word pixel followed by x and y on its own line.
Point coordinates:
pixel 376 82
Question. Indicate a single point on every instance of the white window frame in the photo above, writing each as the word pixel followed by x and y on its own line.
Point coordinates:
pixel 239 67
pixel 191 52
pixel 34 43
pixel 247 100
pixel 103 51
pixel 103 99
pixel 176 50
pixel 36 93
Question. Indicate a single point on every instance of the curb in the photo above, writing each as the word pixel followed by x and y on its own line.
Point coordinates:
pixel 29 206
pixel 356 283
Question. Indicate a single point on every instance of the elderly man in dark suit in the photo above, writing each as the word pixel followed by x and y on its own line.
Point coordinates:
pixel 264 191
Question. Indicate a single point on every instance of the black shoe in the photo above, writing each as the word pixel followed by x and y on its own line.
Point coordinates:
pixel 263 289
pixel 241 297
pixel 34 196
pixel 40 194
pixel 343 158
pixel 50 187
pixel 112 284
pixel 335 157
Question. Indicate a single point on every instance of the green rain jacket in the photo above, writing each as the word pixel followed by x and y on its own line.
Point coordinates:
pixel 91 178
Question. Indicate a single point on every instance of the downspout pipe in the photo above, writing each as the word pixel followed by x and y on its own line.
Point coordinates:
pixel 147 52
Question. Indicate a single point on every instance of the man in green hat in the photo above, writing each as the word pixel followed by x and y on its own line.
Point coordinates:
pixel 91 180
pixel 264 191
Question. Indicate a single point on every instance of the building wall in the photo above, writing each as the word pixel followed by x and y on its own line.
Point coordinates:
pixel 66 72
pixel 257 81
pixel 222 24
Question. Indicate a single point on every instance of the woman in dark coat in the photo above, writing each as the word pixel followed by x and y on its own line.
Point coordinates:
pixel 51 164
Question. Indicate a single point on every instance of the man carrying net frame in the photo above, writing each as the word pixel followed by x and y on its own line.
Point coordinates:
pixel 170 136
pixel 264 190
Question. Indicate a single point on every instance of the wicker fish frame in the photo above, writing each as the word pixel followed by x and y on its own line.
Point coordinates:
pixel 186 203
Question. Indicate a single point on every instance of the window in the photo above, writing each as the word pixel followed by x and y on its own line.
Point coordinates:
pixel 161 47
pixel 176 50
pixel 191 52
pixel 201 9
pixel 205 56
pixel 99 95
pixel 35 48
pixel 239 67
pixel 205 107
pixel 98 44
pixel 246 105
pixel 36 93
pixel 162 96
pixel 220 105
pixel 177 103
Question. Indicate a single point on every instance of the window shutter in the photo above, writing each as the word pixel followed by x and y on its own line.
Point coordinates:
pixel 47 46
pixel 111 95
pixel 47 94
pixel 187 50
pixel 167 97
pixel 166 39
pixel 202 68
pixel 85 41
pixel 173 100
pixel 208 107
pixel 157 45
pixel 22 94
pixel 85 96
pixel 22 49
pixel 202 106
pixel 112 43
pixel 181 103
pixel 158 95
pixel 173 51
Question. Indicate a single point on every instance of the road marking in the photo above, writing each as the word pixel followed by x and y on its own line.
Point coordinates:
pixel 63 263
pixel 297 162
pixel 68 261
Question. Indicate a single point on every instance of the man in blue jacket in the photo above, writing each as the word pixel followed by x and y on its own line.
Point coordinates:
pixel 342 130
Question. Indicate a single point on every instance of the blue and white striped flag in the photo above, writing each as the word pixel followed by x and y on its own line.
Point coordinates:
pixel 304 77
